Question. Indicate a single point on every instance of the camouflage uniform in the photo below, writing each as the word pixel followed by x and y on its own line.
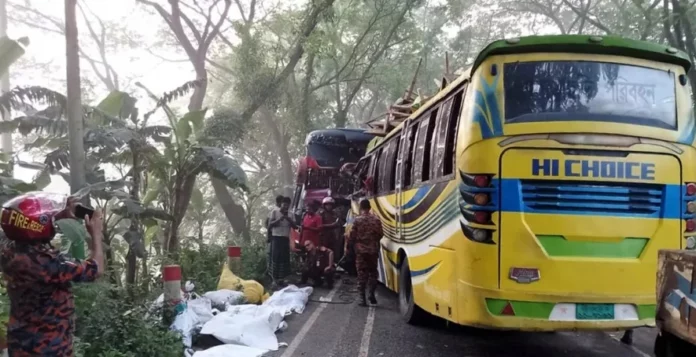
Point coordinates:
pixel 366 233
pixel 39 283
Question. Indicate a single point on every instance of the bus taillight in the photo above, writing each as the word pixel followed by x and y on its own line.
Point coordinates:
pixel 484 181
pixel 691 189
pixel 690 225
pixel 691 207
pixel 482 217
pixel 478 202
pixel 481 199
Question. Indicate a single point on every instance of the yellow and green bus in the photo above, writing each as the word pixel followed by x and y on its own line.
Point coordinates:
pixel 535 190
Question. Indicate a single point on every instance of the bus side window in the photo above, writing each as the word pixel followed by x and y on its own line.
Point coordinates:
pixel 384 154
pixel 419 146
pixel 421 166
pixel 396 143
pixel 452 126
pixel 374 172
pixel 438 145
pixel 408 155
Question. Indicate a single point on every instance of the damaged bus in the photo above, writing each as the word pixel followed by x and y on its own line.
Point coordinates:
pixel 534 191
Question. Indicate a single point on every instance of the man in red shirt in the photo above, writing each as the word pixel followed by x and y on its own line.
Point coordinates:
pixel 312 225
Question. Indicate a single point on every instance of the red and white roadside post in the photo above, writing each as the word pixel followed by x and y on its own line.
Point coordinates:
pixel 171 276
pixel 234 259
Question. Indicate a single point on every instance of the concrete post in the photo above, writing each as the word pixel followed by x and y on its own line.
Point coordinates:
pixel 234 259
pixel 171 276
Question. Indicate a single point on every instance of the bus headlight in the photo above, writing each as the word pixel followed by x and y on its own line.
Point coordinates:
pixel 691 207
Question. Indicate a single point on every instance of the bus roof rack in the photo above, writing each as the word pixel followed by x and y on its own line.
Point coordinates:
pixel 609 45
pixel 408 103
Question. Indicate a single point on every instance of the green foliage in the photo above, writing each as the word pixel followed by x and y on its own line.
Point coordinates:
pixel 111 323
pixel 4 309
pixel 202 264
pixel 255 261
pixel 73 237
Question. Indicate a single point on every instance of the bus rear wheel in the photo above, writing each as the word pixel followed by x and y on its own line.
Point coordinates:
pixel 413 314
pixel 668 345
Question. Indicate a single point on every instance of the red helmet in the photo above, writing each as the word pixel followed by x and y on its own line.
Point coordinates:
pixel 29 217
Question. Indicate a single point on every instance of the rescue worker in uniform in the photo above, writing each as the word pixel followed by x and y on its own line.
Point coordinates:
pixel 318 266
pixel 39 278
pixel 365 236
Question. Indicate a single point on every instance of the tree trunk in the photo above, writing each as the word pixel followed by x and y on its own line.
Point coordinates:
pixel 235 213
pixel 134 246
pixel 183 188
pixel 74 105
pixel 196 101
pixel 5 87
pixel 145 277
pixel 281 149
pixel 131 267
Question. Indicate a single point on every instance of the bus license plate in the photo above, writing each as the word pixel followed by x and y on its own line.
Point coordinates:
pixel 594 311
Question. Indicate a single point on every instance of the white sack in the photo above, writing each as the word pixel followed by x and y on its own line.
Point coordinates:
pixel 184 323
pixel 231 350
pixel 195 313
pixel 224 297
pixel 246 327
pixel 290 299
pixel 252 311
pixel 202 308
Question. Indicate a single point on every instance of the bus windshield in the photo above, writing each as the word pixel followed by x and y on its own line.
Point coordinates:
pixel 335 147
pixel 589 91
pixel 334 155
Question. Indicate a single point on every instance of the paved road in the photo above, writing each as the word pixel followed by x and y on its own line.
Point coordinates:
pixel 343 329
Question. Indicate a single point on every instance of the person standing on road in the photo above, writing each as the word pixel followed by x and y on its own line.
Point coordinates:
pixel 280 224
pixel 278 202
pixel 312 224
pixel 365 235
pixel 329 234
pixel 39 278
pixel 318 266
pixel 269 236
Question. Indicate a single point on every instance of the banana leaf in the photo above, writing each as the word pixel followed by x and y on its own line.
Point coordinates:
pixel 10 51
pixel 74 236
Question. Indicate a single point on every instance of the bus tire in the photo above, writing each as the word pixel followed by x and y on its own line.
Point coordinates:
pixel 668 345
pixel 413 314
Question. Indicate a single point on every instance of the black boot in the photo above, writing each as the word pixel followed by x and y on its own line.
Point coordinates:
pixel 363 301
pixel 372 298
pixel 627 337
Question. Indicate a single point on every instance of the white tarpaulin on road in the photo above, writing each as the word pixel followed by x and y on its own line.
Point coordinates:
pixel 194 313
pixel 247 325
pixel 253 326
pixel 290 299
pixel 223 297
pixel 230 351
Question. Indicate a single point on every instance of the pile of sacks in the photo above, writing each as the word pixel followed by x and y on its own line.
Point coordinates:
pixel 233 316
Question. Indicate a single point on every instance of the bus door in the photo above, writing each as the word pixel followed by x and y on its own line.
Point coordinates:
pixel 401 156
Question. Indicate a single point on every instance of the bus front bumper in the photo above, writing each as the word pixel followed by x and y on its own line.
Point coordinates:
pixel 487 308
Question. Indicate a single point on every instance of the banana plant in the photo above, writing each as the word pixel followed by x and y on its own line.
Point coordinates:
pixel 11 51
pixel 174 170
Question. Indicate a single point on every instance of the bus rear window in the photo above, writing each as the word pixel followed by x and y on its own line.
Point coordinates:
pixel 589 91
